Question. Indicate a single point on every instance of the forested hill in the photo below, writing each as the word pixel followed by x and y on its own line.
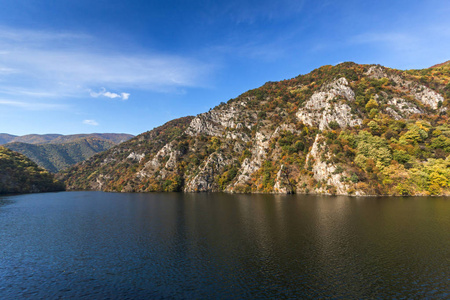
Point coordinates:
pixel 56 157
pixel 347 129
pixel 18 174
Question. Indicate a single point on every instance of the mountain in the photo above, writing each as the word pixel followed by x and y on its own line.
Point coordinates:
pixel 55 157
pixel 18 174
pixel 447 63
pixel 348 129
pixel 115 138
pixel 6 138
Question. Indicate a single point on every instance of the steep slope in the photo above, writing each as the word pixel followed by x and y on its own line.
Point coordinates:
pixel 115 138
pixel 444 64
pixel 55 157
pixel 18 174
pixel 110 169
pixel 345 129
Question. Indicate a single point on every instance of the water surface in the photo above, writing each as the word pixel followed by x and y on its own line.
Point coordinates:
pixel 184 246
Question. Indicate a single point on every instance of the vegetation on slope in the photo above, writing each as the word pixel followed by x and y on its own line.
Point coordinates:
pixel 114 162
pixel 394 139
pixel 56 157
pixel 18 174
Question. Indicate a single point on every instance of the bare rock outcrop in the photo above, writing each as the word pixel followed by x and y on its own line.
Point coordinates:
pixel 215 122
pixel 324 171
pixel 326 106
pixel 249 166
pixel 204 180
pixel 420 92
pixel 402 109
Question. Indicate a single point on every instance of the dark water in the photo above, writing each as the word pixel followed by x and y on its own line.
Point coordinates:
pixel 195 246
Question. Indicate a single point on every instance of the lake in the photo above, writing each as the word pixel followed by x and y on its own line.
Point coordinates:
pixel 98 245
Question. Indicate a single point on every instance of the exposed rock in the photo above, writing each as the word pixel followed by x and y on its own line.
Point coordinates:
pixel 422 93
pixel 204 180
pixel 426 95
pixel 324 171
pixel 215 122
pixel 249 166
pixel 376 72
pixel 157 162
pixel 282 184
pixel 136 156
pixel 325 106
pixel 401 109
pixel 258 142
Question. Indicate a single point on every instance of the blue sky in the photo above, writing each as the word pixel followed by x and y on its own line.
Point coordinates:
pixel 129 66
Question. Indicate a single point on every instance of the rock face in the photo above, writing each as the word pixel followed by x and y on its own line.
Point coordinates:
pixel 215 122
pixel 324 171
pixel 330 105
pixel 402 109
pixel 310 134
pixel 204 181
pixel 420 92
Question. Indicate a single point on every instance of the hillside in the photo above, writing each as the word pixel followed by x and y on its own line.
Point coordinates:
pixel 115 138
pixel 6 138
pixel 55 157
pixel 18 174
pixel 346 129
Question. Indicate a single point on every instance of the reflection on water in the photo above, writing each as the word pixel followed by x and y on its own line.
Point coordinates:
pixel 5 200
pixel 101 245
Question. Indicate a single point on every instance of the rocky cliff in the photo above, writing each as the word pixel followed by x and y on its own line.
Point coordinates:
pixel 345 129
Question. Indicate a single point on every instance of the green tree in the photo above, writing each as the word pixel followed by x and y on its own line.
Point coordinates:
pixel 371 105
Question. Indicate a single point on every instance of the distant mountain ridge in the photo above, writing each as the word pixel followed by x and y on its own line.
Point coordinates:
pixel 56 157
pixel 116 138
pixel 348 129
pixel 55 152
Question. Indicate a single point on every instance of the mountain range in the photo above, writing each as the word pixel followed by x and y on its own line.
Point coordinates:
pixel 115 138
pixel 56 152
pixel 348 129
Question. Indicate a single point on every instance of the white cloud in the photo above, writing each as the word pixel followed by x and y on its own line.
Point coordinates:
pixel 4 71
pixel 104 93
pixel 66 64
pixel 90 122
pixel 125 96
pixel 33 105
pixel 111 95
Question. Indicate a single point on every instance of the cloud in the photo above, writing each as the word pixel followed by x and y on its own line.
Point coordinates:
pixel 397 40
pixel 4 71
pixel 104 93
pixel 90 122
pixel 33 105
pixel 66 64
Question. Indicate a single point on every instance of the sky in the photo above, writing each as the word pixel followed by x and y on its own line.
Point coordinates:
pixel 127 66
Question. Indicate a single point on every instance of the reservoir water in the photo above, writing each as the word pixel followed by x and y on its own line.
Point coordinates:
pixel 95 245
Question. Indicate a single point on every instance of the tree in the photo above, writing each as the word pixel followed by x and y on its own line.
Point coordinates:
pixel 371 104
